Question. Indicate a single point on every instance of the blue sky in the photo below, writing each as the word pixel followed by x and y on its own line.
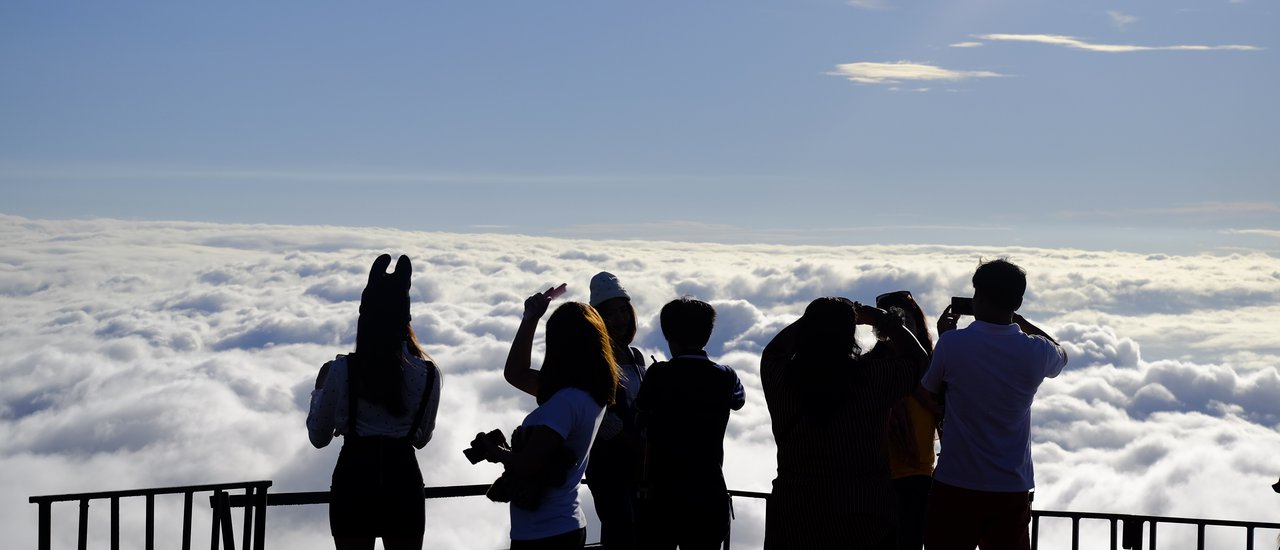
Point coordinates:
pixel 1145 126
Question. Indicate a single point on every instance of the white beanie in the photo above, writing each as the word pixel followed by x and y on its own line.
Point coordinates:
pixel 605 286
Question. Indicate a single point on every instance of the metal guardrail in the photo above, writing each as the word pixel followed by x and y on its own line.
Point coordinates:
pixel 1126 530
pixel 254 502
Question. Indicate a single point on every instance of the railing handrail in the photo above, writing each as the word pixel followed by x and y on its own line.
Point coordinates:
pixel 258 497
pixel 152 491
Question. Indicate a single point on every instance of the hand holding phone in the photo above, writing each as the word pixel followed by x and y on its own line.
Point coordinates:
pixel 962 306
pixel 555 291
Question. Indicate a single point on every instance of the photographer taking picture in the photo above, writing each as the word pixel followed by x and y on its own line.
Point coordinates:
pixel 987 375
pixel 547 458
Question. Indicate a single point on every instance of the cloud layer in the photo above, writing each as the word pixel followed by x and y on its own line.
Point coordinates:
pixel 149 354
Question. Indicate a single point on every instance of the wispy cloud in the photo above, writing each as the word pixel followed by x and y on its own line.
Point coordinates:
pixel 869 4
pixel 1078 44
pixel 1273 233
pixel 966 44
pixel 1209 209
pixel 1121 20
pixel 900 71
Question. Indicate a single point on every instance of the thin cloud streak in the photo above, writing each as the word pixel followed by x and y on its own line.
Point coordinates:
pixel 1078 44
pixel 868 72
pixel 1121 20
pixel 1209 209
pixel 967 45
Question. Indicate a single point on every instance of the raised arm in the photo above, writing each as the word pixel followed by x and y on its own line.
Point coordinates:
pixel 518 370
pixel 1031 329
pixel 782 347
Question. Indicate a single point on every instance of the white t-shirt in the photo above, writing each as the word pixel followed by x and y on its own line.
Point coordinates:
pixel 328 414
pixel 990 374
pixel 574 415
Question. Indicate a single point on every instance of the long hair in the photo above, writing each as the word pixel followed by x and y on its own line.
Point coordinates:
pixel 823 365
pixel 377 366
pixel 900 421
pixel 579 355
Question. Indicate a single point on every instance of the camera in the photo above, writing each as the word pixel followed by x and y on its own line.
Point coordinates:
pixel 961 305
pixel 477 451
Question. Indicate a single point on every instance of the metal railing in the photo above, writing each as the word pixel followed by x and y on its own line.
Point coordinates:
pixel 1126 530
pixel 254 502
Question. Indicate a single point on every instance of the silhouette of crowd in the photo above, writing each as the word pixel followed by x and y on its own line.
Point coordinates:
pixel 855 430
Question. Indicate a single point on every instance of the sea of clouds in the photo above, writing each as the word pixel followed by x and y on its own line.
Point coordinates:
pixel 146 354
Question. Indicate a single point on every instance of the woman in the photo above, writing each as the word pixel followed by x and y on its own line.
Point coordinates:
pixel 829 406
pixel 913 422
pixel 548 457
pixel 382 399
pixel 617 456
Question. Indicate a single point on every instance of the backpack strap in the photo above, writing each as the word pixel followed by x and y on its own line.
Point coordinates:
pixel 351 397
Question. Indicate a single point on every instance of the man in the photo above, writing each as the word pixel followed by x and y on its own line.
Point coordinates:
pixel 684 406
pixel 987 375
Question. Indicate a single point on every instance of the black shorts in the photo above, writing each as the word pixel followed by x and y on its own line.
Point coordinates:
pixel 377 490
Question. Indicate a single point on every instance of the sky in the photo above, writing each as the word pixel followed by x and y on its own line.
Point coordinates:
pixel 190 196
pixel 1137 125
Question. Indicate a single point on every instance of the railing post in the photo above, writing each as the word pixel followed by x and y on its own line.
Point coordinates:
pixel 115 523
pixel 83 541
pixel 1132 539
pixel 248 518
pixel 213 536
pixel 1075 533
pixel 46 523
pixel 1199 536
pixel 1152 537
pixel 1113 535
pixel 151 523
pixel 1035 531
pixel 1248 544
pixel 186 520
pixel 260 524
pixel 228 533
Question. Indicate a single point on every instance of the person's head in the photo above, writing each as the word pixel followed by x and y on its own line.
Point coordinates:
pixel 998 286
pixel 614 305
pixel 912 316
pixel 826 329
pixel 381 332
pixel 579 355
pixel 687 323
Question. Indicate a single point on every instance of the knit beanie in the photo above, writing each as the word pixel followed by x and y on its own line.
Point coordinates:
pixel 605 286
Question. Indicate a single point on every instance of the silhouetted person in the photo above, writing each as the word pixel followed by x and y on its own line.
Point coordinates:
pixel 913 422
pixel 987 375
pixel 829 407
pixel 684 407
pixel 546 460
pixel 382 400
pixel 617 456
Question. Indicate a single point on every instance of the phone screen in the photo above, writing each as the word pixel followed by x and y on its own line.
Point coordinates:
pixel 962 306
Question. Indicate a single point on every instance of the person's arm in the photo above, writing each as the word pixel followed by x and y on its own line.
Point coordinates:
pixel 900 339
pixel 432 395
pixel 518 370
pixel 1031 329
pixel 782 347
pixel 737 394
pixel 320 416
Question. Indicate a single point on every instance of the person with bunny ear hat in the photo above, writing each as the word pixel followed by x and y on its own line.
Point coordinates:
pixel 382 399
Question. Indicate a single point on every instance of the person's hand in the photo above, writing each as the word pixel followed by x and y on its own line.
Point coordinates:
pixel 494 445
pixel 868 315
pixel 536 306
pixel 324 373
pixel 947 321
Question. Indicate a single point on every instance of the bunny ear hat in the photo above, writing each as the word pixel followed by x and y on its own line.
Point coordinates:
pixel 385 299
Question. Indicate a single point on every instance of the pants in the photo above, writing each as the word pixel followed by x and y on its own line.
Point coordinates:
pixel 687 520
pixel 960 519
pixel 377 490
pixel 572 540
pixel 618 509
pixel 912 493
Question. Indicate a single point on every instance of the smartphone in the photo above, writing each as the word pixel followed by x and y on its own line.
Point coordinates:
pixel 961 305
pixel 555 292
